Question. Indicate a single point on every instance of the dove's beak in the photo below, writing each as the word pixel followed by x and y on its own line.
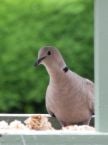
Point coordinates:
pixel 39 60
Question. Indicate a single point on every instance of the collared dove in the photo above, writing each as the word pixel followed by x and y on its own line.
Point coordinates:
pixel 69 97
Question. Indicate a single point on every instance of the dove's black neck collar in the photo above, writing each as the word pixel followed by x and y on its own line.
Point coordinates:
pixel 65 69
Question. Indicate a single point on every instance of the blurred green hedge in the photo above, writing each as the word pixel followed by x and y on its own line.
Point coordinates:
pixel 27 25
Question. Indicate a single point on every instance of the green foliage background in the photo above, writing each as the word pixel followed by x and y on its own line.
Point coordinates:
pixel 27 25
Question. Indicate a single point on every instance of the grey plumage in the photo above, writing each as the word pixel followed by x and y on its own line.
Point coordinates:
pixel 69 97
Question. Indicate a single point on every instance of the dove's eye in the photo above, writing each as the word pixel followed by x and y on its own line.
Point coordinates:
pixel 49 53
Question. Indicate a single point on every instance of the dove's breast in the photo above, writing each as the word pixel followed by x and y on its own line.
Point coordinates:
pixel 66 100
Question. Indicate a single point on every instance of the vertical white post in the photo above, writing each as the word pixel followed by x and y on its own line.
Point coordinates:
pixel 101 64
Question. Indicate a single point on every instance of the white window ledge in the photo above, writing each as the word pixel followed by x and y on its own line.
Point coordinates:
pixel 55 137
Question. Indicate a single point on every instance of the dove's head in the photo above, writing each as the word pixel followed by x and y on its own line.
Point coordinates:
pixel 50 57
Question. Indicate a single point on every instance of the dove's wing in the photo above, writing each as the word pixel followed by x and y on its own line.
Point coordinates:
pixel 90 92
